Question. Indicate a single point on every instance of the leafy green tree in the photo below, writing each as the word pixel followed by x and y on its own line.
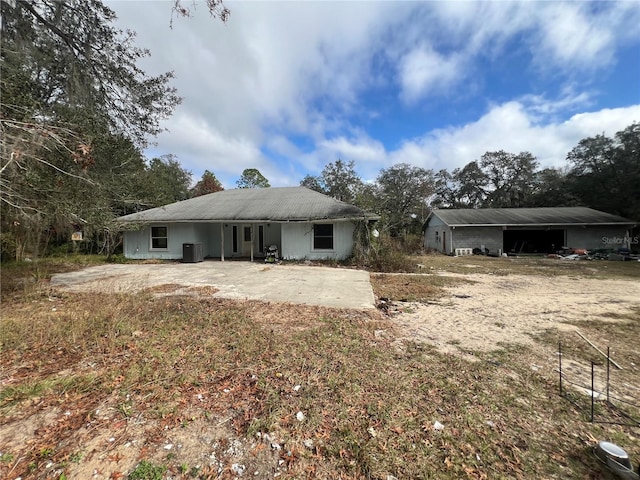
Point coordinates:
pixel 313 183
pixel 207 184
pixel 74 60
pixel 446 189
pixel 75 110
pixel 252 178
pixel 552 189
pixel 367 197
pixel 340 180
pixel 472 185
pixel 405 194
pixel 605 172
pixel 510 178
pixel 167 181
pixel 499 179
pixel 463 188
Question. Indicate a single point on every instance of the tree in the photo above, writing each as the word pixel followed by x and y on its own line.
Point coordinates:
pixel 463 188
pixel 313 183
pixel 75 109
pixel 216 9
pixel 405 193
pixel 605 172
pixel 509 178
pixel 252 178
pixel 207 184
pixel 340 180
pixel 552 188
pixel 71 59
pixel 167 182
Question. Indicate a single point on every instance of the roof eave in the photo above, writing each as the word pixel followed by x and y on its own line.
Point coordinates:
pixel 560 224
pixel 254 220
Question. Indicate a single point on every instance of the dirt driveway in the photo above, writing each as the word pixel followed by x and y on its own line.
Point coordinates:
pixel 310 285
pixel 494 310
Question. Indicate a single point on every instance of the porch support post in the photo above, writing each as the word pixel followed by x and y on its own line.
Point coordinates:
pixel 222 242
pixel 251 229
pixel 451 240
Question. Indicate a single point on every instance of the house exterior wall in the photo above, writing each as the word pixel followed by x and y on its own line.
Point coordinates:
pixel 433 235
pixel 594 237
pixel 445 239
pixel 271 232
pixel 294 240
pixel 297 242
pixel 476 237
pixel 588 237
pixel 137 244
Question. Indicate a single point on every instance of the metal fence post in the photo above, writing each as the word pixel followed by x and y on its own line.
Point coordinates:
pixel 592 392
pixel 560 364
pixel 608 365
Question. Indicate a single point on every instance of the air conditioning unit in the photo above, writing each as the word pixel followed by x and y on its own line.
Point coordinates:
pixel 192 253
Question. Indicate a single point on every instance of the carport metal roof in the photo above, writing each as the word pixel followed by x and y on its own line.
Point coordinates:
pixel 523 217
pixel 276 204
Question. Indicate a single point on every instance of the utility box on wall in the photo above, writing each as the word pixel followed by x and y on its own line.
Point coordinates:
pixel 192 253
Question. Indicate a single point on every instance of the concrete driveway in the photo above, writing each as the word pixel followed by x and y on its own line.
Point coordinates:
pixel 330 287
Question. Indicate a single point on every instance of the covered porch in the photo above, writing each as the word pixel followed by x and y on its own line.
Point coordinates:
pixel 221 240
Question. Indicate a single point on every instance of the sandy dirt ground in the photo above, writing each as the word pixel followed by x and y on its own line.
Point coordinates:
pixel 496 310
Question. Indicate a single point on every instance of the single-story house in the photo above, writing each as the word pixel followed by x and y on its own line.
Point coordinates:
pixel 525 230
pixel 301 223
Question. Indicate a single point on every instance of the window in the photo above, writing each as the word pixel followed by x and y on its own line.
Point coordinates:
pixel 247 234
pixel 323 236
pixel 159 238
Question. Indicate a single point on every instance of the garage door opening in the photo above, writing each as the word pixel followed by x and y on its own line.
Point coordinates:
pixel 533 241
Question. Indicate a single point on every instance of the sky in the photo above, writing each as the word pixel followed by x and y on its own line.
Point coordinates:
pixel 288 87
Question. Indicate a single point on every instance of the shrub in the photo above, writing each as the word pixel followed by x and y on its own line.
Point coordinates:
pixel 386 254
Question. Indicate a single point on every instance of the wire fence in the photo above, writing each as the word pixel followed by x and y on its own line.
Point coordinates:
pixel 618 411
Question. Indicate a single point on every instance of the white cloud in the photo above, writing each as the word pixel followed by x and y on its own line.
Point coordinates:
pixel 570 100
pixel 203 147
pixel 283 86
pixel 512 128
pixel 424 71
pixel 360 150
pixel 570 38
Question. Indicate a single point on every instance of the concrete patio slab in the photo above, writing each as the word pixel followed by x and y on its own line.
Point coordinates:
pixel 309 285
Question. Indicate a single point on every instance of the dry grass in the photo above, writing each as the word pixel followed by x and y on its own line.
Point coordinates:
pixel 103 381
pixel 412 288
pixel 527 265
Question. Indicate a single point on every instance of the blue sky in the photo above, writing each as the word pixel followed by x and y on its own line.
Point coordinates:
pixel 287 87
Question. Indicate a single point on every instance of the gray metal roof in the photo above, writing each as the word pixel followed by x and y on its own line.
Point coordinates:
pixel 528 217
pixel 282 204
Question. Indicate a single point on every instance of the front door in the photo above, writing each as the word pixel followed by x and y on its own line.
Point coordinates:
pixel 247 237
pixel 244 235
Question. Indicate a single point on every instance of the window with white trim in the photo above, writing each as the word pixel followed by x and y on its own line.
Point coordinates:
pixel 159 238
pixel 323 236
